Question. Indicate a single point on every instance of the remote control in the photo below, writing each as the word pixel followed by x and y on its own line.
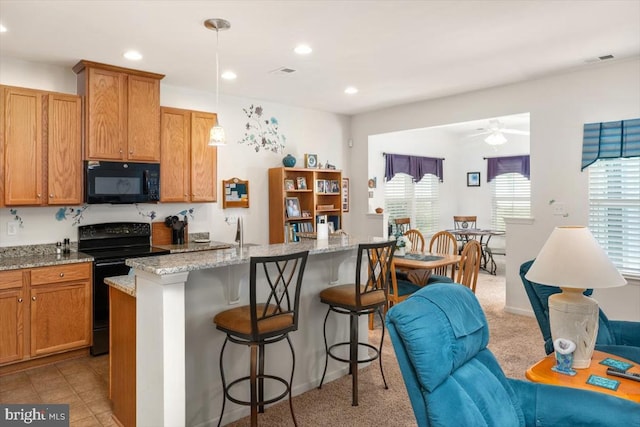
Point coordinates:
pixel 627 375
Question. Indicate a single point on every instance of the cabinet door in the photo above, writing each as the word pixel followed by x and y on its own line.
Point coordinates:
pixel 204 159
pixel 11 316
pixel 143 136
pixel 60 317
pixel 175 155
pixel 106 115
pixel 22 147
pixel 64 136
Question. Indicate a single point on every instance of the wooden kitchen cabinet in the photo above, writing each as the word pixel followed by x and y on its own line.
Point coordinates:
pixel 189 164
pixel 41 145
pixel 60 308
pixel 45 311
pixel 122 112
pixel 11 316
pixel 22 139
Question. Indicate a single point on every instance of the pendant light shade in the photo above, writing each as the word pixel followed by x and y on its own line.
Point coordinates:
pixel 495 138
pixel 216 134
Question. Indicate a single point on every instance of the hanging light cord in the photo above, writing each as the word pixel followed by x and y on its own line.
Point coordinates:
pixel 217 75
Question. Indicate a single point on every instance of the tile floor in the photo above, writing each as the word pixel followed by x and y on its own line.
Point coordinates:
pixel 82 383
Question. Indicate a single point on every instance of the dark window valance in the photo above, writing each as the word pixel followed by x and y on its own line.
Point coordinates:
pixel 416 166
pixel 610 140
pixel 512 164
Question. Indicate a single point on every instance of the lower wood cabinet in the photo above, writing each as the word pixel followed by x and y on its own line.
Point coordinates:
pixel 55 317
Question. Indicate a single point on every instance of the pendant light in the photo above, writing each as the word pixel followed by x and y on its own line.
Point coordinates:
pixel 216 134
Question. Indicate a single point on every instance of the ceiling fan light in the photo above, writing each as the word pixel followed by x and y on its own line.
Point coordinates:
pixel 495 138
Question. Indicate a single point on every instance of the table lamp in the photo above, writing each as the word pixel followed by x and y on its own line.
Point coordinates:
pixel 572 259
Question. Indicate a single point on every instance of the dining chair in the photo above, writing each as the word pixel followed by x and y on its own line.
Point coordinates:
pixel 402 225
pixel 469 265
pixel 274 300
pixel 443 242
pixel 417 240
pixel 366 296
pixel 463 222
pixel 400 288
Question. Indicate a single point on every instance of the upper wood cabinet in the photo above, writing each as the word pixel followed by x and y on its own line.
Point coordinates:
pixel 40 148
pixel 122 112
pixel 189 164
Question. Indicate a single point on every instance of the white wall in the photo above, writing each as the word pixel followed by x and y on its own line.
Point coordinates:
pixel 307 131
pixel 559 106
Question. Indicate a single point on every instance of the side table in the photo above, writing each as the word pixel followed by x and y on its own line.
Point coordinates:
pixel 628 389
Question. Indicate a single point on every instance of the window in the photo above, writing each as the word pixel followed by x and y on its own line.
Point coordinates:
pixel 418 201
pixel 511 197
pixel 614 210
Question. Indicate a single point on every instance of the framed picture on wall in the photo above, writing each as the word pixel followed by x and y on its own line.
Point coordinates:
pixel 473 179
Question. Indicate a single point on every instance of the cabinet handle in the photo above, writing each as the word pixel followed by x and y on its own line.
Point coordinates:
pixel 61 274
pixel 39 195
pixel 121 151
pixel 51 195
pixel 131 152
pixel 33 298
pixel 19 299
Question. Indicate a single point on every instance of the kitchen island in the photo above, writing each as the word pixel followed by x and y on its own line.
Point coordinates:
pixel 178 346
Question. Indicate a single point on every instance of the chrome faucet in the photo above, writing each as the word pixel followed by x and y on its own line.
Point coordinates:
pixel 240 233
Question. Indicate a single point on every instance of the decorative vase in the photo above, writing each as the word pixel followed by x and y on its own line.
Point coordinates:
pixel 289 161
pixel 401 251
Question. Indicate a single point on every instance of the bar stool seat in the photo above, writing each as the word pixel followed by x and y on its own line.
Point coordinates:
pixel 358 299
pixel 261 323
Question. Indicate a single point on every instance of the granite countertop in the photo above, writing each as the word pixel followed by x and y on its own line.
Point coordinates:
pixel 183 262
pixel 126 284
pixel 31 260
pixel 193 246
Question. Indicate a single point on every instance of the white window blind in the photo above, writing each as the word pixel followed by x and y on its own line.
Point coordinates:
pixel 418 201
pixel 614 210
pixel 511 197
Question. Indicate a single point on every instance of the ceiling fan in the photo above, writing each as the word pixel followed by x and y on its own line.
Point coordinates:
pixel 495 132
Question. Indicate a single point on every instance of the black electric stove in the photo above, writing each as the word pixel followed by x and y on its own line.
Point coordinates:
pixel 111 244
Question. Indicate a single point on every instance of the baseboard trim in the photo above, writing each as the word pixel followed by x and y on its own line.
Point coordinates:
pixel 41 361
pixel 518 311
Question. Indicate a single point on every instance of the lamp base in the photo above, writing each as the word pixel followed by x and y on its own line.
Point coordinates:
pixel 574 316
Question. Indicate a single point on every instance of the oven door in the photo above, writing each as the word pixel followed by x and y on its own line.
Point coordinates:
pixel 101 270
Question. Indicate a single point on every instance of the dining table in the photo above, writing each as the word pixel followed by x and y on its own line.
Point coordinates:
pixel 483 236
pixel 425 261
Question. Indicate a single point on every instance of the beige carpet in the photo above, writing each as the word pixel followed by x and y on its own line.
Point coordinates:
pixel 515 340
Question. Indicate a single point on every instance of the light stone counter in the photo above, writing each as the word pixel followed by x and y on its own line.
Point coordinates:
pixel 195 246
pixel 126 284
pixel 178 346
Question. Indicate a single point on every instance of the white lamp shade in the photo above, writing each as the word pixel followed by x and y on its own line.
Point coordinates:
pixel 217 136
pixel 495 138
pixel 572 258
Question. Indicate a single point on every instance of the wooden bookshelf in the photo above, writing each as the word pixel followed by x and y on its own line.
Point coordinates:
pixel 327 201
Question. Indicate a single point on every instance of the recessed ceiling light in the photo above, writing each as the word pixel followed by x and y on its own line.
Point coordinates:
pixel 132 55
pixel 351 90
pixel 303 49
pixel 229 75
pixel 3 29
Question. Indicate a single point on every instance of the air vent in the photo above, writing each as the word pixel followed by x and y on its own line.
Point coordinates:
pixel 283 71
pixel 605 57
pixel 599 58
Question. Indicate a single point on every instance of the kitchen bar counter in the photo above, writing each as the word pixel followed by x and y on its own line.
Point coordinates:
pixel 195 247
pixel 178 346
pixel 126 284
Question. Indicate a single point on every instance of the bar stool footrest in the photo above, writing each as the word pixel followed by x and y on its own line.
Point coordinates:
pixel 227 391
pixel 370 359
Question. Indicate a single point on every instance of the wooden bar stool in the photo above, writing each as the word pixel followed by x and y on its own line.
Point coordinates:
pixel 258 324
pixel 360 299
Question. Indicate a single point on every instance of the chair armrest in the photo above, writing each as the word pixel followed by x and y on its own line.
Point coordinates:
pixel 549 405
pixel 625 333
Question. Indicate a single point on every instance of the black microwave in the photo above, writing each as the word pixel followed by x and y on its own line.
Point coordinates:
pixel 121 182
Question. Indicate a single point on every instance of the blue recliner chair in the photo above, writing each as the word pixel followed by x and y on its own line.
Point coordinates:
pixel 440 337
pixel 617 337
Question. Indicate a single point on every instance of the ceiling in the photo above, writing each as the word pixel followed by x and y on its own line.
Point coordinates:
pixel 394 52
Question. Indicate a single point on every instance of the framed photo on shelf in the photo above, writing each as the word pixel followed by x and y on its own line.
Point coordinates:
pixel 335 187
pixel 306 214
pixel 288 185
pixel 311 161
pixel 302 183
pixel 321 186
pixel 345 194
pixel 293 207
pixel 473 179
